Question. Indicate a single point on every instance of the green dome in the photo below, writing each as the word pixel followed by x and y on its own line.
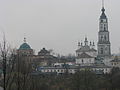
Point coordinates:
pixel 25 46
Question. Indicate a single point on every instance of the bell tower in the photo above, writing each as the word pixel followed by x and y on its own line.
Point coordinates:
pixel 104 46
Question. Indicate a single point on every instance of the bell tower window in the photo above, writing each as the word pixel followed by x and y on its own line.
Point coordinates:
pixel 101 50
pixel 105 38
pixel 101 38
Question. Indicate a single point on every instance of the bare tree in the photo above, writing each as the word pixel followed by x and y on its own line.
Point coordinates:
pixel 4 52
pixel 8 63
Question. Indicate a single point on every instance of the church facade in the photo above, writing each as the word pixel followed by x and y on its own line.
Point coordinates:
pixel 86 53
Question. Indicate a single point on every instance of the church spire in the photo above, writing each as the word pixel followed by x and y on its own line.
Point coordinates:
pixel 103 9
pixel 103 16
pixel 102 3
pixel 104 46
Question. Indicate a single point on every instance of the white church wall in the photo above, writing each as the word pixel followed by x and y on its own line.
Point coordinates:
pixel 85 61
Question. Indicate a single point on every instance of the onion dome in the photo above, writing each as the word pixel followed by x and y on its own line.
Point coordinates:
pixel 24 46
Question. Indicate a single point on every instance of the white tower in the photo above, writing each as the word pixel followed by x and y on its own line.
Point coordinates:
pixel 104 46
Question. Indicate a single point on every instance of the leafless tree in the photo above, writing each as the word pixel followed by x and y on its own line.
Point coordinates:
pixel 4 52
pixel 8 61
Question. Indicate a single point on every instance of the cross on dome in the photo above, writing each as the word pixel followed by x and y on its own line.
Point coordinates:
pixel 24 40
pixel 103 9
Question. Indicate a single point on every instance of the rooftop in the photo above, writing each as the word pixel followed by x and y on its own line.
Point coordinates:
pixel 24 46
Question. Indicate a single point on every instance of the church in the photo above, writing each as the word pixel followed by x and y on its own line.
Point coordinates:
pixel 87 54
pixel 43 58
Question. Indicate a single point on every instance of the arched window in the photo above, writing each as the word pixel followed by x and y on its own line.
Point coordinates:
pixel 101 38
pixel 105 38
pixel 104 27
pixel 82 61
pixel 101 50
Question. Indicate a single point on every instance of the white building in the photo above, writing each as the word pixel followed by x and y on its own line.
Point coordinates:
pixel 85 60
pixel 85 54
pixel 74 69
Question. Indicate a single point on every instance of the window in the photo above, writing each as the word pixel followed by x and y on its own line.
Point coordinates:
pixel 90 60
pixel 82 61
pixel 61 70
pixel 105 37
pixel 104 27
pixel 101 38
pixel 101 50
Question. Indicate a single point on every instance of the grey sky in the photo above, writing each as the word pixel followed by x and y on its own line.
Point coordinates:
pixel 57 24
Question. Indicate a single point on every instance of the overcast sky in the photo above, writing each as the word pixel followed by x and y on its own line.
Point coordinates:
pixel 57 24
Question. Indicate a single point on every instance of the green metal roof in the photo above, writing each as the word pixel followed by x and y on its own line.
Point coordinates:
pixel 25 46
